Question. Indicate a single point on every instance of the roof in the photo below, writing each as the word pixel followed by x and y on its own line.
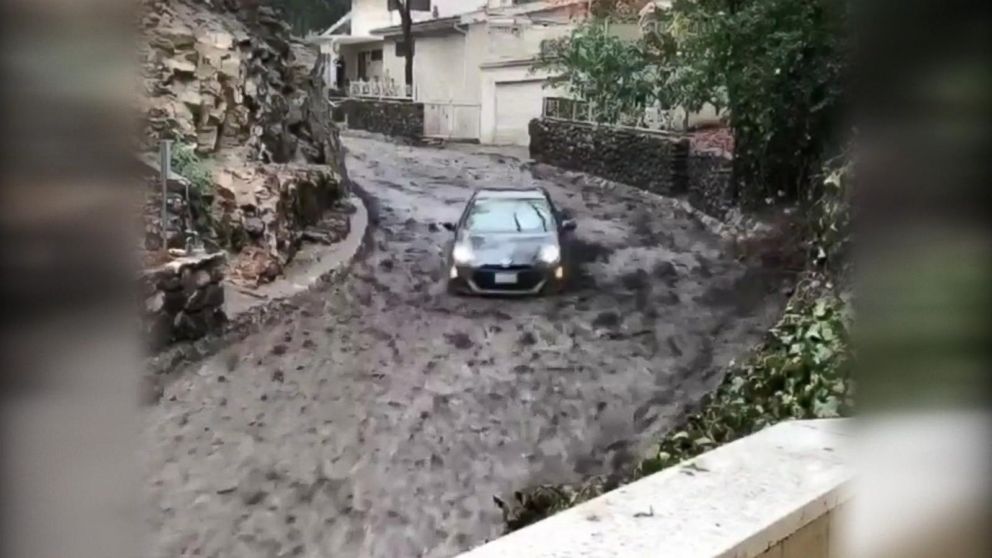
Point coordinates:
pixel 338 25
pixel 443 24
pixel 510 193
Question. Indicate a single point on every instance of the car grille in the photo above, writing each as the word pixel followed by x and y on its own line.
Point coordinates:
pixel 528 278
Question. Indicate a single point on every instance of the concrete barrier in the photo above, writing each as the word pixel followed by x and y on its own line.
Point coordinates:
pixel 774 494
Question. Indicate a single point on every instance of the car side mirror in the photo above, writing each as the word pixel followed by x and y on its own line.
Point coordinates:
pixel 448 225
pixel 568 225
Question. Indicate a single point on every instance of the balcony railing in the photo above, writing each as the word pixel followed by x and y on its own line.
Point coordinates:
pixel 380 89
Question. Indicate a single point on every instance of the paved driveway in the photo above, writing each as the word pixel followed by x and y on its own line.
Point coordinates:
pixel 381 417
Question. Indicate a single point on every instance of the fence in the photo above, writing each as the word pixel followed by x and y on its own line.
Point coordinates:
pixel 380 89
pixel 651 118
pixel 450 120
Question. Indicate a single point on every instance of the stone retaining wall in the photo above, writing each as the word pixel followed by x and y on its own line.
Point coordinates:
pixel 657 162
pixel 402 119
pixel 711 188
pixel 654 162
pixel 183 299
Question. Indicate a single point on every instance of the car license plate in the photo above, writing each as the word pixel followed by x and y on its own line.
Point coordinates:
pixel 505 278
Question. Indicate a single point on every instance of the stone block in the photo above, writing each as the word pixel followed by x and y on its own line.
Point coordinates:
pixel 209 296
pixel 608 152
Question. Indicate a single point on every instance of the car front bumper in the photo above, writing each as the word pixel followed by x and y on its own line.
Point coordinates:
pixel 529 280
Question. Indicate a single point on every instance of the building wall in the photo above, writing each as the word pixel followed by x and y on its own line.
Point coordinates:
pixel 511 46
pixel 367 15
pixel 494 75
pixel 393 67
pixel 520 41
pixel 440 68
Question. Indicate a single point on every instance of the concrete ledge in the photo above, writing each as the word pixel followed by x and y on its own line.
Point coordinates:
pixel 313 266
pixel 740 500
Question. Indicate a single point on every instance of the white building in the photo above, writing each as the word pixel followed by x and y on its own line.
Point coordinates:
pixel 472 60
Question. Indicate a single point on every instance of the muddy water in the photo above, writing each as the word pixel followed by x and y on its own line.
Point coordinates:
pixel 379 419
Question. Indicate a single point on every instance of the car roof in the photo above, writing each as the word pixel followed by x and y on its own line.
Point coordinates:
pixel 510 193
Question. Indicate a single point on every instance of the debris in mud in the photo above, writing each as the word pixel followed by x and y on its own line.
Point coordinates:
pixel 255 498
pixel 527 339
pixel 459 340
pixel 278 376
pixel 606 320
pixel 636 280
pixel 279 349
pixel 665 270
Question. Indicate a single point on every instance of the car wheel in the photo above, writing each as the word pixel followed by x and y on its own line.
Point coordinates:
pixel 553 288
pixel 452 288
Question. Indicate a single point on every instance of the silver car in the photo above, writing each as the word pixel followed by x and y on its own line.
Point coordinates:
pixel 509 241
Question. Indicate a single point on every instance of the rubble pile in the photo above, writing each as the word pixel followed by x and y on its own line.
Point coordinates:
pixel 183 299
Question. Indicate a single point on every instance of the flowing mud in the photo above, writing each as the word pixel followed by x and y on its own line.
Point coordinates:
pixel 379 419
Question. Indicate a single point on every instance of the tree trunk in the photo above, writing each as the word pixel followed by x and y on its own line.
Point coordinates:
pixel 407 24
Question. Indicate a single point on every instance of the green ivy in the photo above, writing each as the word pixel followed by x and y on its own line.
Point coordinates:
pixel 186 163
pixel 802 371
pixel 830 218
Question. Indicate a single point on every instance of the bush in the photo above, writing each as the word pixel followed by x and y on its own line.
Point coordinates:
pixel 187 164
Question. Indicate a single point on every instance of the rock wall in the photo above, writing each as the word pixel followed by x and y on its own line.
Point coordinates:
pixel 401 119
pixel 711 188
pixel 183 299
pixel 226 77
pixel 264 211
pixel 653 161
pixel 661 163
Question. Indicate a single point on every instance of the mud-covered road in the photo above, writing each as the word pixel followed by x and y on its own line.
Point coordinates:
pixel 380 417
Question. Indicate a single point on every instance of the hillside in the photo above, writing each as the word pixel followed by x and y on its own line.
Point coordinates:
pixel 226 81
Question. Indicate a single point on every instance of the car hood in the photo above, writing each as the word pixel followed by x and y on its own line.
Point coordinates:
pixel 508 248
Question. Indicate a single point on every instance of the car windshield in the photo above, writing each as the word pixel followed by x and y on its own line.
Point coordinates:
pixel 510 215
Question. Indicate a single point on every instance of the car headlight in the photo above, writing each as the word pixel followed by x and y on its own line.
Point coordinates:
pixel 549 254
pixel 462 254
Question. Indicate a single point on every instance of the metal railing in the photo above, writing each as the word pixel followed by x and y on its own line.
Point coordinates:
pixel 380 89
pixel 576 110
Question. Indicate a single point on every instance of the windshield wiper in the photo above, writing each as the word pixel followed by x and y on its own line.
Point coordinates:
pixel 517 221
pixel 544 222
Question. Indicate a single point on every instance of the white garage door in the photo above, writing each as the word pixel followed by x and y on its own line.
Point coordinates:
pixel 517 103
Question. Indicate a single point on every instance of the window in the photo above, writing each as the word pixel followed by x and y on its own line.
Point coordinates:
pixel 376 55
pixel 510 215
